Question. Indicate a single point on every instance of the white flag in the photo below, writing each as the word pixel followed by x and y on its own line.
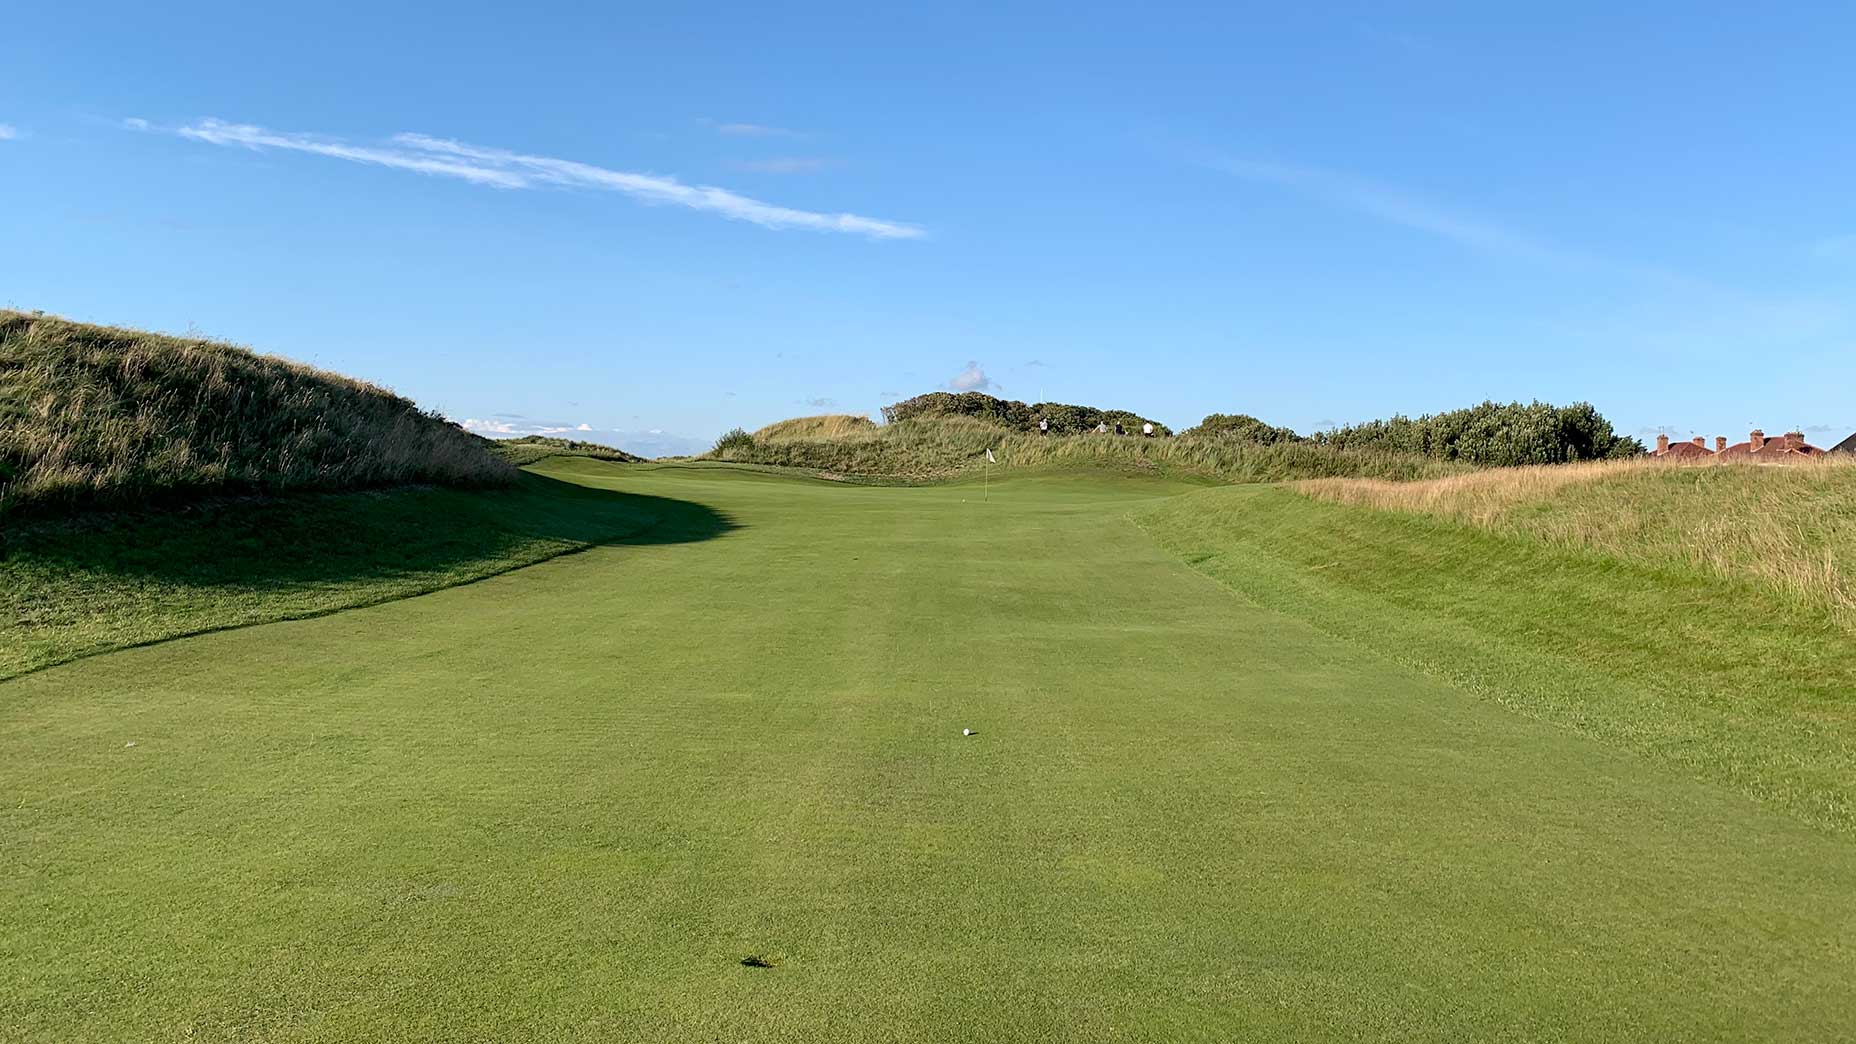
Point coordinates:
pixel 989 457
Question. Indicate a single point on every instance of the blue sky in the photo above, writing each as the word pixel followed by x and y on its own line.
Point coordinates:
pixel 647 219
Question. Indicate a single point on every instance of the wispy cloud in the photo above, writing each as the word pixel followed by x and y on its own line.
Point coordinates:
pixel 505 169
pixel 1471 231
pixel 822 403
pixel 136 123
pixel 753 130
pixel 8 132
pixel 971 379
pixel 783 165
pixel 1399 207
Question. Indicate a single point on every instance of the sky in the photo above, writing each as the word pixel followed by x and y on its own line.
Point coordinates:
pixel 648 224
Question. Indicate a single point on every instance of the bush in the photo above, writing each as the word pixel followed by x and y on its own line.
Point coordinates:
pixel 733 441
pixel 1064 418
pixel 1243 426
pixel 1493 435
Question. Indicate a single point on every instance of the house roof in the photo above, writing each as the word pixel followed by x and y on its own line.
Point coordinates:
pixel 1685 449
pixel 1776 446
pixel 1846 446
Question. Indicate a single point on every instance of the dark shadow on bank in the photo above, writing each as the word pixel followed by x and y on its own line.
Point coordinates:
pixel 308 538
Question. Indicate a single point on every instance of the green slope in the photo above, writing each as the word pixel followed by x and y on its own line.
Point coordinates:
pixel 1732 681
pixel 564 803
pixel 73 587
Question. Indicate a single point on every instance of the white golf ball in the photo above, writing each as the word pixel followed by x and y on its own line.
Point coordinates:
pixel 966 732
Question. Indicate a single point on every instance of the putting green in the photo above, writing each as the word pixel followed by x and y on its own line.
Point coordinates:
pixel 565 803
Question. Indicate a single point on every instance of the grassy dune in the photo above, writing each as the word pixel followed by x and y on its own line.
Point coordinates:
pixel 824 426
pixel 1789 529
pixel 942 447
pixel 93 415
pixel 531 448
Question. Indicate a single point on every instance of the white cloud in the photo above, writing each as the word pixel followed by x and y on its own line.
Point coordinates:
pixel 502 168
pixel 972 379
pixel 8 132
pixel 653 443
pixel 135 123
pixel 217 132
pixel 515 425
pixel 783 165
pixel 753 130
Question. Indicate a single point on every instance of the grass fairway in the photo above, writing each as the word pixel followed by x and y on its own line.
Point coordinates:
pixel 564 803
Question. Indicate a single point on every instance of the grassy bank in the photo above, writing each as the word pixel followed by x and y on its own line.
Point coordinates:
pixel 94 415
pixel 74 587
pixel 1724 676
pixel 1789 529
pixel 943 447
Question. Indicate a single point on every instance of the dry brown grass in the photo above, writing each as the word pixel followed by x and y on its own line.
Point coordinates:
pixel 1790 528
pixel 97 415
pixel 823 426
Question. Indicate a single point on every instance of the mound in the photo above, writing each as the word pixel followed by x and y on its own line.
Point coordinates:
pixel 93 415
pixel 530 448
pixel 942 446
pixel 824 426
pixel 1062 418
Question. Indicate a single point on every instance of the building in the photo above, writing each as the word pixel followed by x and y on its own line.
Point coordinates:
pixel 1760 449
pixel 1694 449
pixel 1757 448
pixel 1846 446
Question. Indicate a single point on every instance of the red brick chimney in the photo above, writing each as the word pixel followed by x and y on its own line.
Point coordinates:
pixel 1700 443
pixel 1720 444
pixel 1756 441
pixel 1662 445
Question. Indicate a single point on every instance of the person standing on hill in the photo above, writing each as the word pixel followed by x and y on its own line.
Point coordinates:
pixel 1043 425
pixel 1118 429
pixel 1102 427
pixel 1147 429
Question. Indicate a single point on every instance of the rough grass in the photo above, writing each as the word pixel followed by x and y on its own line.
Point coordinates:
pixel 924 449
pixel 1789 528
pixel 1723 677
pixel 824 426
pixel 94 415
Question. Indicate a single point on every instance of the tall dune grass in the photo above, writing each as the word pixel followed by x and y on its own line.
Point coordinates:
pixel 1790 528
pixel 942 447
pixel 99 415
pixel 824 426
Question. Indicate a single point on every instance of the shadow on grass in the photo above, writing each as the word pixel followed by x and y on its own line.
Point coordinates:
pixel 304 539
